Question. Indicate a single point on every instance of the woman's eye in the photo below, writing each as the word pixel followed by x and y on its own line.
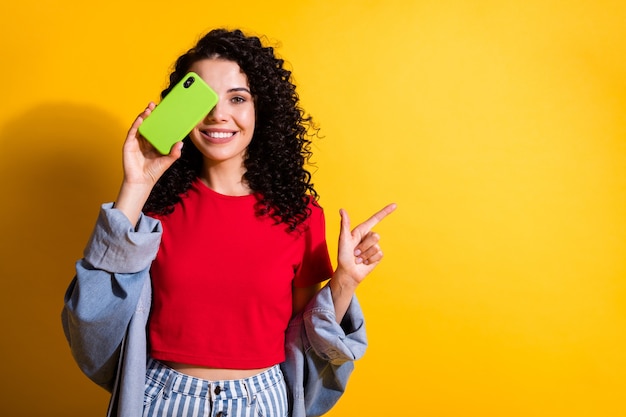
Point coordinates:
pixel 238 99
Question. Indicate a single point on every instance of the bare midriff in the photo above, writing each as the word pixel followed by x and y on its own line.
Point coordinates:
pixel 213 374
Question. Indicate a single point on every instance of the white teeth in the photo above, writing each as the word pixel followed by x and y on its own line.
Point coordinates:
pixel 219 135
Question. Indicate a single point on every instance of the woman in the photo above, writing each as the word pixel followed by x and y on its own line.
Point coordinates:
pixel 232 247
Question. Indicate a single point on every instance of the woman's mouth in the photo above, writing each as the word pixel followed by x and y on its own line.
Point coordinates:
pixel 217 136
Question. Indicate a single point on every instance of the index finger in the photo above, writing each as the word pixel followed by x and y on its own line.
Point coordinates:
pixel 134 128
pixel 377 217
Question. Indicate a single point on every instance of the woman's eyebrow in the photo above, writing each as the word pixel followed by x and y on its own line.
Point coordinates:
pixel 234 90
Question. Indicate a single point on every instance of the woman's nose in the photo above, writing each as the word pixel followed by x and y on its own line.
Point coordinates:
pixel 216 113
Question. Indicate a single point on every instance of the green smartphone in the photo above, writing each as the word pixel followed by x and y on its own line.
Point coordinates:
pixel 190 100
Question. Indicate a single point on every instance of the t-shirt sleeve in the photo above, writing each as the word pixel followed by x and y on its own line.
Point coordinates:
pixel 316 266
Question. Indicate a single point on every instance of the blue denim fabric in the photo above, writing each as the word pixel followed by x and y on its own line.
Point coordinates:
pixel 107 306
pixel 171 393
pixel 320 354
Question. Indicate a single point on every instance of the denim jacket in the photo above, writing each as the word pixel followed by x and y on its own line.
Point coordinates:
pixel 106 312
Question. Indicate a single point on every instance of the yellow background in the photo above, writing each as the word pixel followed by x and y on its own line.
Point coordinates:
pixel 499 127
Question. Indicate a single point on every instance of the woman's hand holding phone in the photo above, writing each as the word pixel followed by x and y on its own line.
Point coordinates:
pixel 152 147
pixel 143 165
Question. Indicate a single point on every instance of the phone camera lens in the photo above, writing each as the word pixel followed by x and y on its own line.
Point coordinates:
pixel 188 82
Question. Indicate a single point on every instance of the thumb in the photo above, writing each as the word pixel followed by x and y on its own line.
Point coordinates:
pixel 345 223
pixel 175 153
pixel 176 150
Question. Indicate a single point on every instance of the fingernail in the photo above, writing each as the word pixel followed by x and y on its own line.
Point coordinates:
pixel 357 252
pixel 359 260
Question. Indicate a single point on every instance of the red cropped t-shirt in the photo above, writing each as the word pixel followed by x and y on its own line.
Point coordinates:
pixel 222 280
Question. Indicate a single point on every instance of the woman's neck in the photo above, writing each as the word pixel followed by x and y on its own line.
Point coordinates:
pixel 225 180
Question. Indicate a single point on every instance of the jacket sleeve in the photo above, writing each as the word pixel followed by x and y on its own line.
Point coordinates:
pixel 104 293
pixel 321 354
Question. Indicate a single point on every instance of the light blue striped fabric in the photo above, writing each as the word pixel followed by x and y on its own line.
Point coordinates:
pixel 172 394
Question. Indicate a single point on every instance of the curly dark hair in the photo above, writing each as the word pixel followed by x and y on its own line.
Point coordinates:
pixel 275 158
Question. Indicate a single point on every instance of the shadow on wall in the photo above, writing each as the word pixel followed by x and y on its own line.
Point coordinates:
pixel 59 161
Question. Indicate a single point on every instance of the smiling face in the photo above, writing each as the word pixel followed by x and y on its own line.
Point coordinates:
pixel 223 136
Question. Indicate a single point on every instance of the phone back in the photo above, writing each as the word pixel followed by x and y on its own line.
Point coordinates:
pixel 179 112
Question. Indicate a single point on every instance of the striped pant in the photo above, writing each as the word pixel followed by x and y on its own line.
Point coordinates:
pixel 170 393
